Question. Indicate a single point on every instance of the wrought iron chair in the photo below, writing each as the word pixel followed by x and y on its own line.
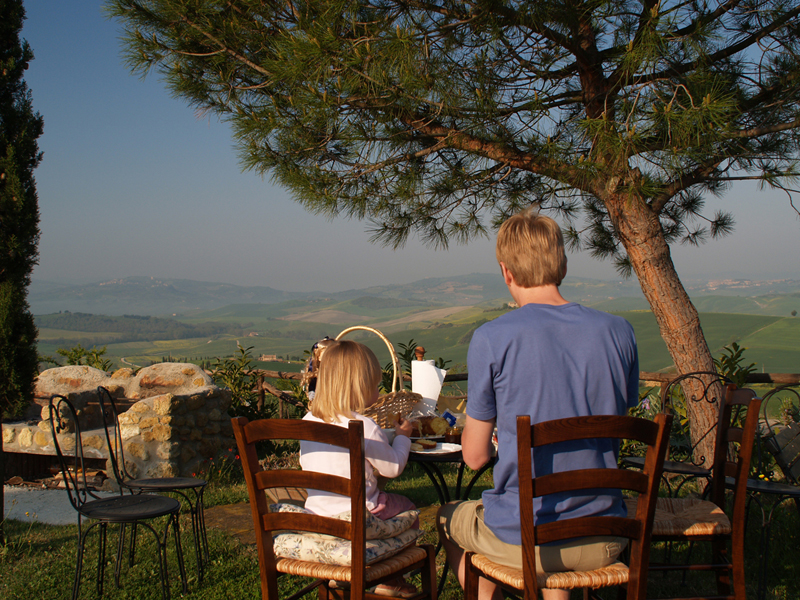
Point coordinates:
pixel 782 442
pixel 683 463
pixel 654 434
pixel 121 510
pixel 357 574
pixel 178 485
pixel 692 519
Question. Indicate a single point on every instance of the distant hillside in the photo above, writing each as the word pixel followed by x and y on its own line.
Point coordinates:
pixel 146 296
pixel 167 297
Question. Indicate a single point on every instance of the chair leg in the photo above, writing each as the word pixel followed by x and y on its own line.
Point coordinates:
pixel 178 551
pixel 101 559
pixel 120 554
pixel 79 564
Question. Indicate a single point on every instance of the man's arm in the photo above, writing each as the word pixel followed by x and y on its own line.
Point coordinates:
pixel 476 442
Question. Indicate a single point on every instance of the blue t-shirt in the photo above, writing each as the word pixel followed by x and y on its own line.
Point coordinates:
pixel 550 362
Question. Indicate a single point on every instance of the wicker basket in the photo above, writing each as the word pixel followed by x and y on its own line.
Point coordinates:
pixel 398 401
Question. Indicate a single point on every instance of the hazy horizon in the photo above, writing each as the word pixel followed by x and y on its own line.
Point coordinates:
pixel 134 183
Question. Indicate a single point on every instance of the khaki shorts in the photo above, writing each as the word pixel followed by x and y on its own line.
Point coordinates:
pixel 462 523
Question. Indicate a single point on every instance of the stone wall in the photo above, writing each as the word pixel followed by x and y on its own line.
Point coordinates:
pixel 175 418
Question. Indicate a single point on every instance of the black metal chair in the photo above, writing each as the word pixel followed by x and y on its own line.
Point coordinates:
pixel 161 485
pixel 683 463
pixel 782 442
pixel 122 510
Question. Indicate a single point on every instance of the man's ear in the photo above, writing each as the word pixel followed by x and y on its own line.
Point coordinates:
pixel 508 277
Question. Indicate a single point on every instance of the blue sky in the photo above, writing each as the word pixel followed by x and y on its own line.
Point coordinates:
pixel 133 182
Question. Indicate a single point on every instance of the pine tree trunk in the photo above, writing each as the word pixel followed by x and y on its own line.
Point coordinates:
pixel 641 235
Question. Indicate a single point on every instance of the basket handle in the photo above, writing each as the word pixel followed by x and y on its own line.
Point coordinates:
pixel 395 363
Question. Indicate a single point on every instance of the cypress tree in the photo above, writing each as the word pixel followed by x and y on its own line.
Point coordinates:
pixel 20 127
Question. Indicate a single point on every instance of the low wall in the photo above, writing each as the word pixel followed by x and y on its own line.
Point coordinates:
pixel 175 420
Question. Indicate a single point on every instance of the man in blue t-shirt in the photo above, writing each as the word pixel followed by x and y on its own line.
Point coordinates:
pixel 549 359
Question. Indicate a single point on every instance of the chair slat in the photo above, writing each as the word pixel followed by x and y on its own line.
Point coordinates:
pixel 588 526
pixel 305 522
pixel 583 479
pixel 302 479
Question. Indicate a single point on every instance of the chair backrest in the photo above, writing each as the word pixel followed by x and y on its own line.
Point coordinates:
pixel 781 439
pixel 734 449
pixel 694 387
pixel 248 435
pixel 637 528
pixel 116 453
pixel 67 438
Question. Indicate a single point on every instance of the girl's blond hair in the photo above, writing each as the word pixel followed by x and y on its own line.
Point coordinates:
pixel 348 377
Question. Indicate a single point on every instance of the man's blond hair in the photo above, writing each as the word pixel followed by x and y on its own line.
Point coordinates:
pixel 349 374
pixel 531 246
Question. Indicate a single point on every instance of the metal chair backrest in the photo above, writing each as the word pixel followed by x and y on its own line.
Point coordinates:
pixel 654 434
pixel 116 452
pixel 711 387
pixel 67 436
pixel 781 437
pixel 248 435
pixel 734 450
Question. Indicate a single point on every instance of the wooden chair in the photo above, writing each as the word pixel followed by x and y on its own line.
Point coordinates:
pixel 694 520
pixel 358 574
pixel 636 528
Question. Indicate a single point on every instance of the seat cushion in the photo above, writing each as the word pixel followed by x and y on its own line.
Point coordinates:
pixel 384 539
pixel 686 518
pixel 376 529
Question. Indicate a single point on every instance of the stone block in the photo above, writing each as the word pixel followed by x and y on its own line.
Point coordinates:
pixel 94 441
pixel 211 429
pixel 200 420
pixel 208 447
pixel 163 469
pixel 147 436
pixel 9 434
pixel 214 415
pixel 187 454
pixel 164 404
pixel 137 450
pixel 148 422
pixel 196 435
pixel 166 450
pixel 129 431
pixel 44 425
pixel 41 439
pixel 132 468
pixel 25 438
pixel 140 407
pixel 123 373
pixel 67 443
pixel 129 418
pixel 190 421
pixel 162 433
pixel 195 401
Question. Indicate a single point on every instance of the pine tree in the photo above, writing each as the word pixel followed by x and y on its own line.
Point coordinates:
pixel 20 128
pixel 441 118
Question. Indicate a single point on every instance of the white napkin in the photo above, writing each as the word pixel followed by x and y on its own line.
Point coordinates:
pixel 426 380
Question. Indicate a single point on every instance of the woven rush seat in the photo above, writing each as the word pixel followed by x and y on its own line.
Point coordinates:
pixel 317 570
pixel 614 574
pixel 690 517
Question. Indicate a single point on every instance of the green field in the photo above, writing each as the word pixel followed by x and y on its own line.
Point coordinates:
pixel 290 328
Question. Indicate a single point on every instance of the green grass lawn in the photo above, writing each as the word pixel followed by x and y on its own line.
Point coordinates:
pixel 39 560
